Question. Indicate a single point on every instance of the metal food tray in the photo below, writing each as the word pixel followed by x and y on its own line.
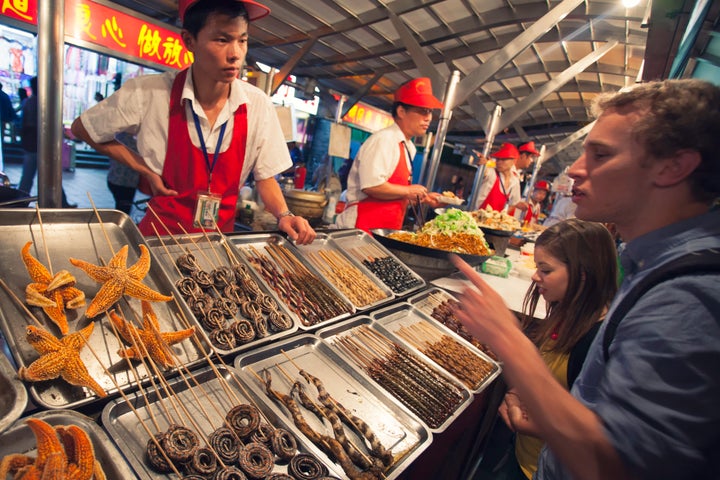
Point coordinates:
pixel 207 401
pixel 330 334
pixel 20 439
pixel 259 242
pixel 351 240
pixel 78 234
pixel 13 396
pixel 210 253
pixel 426 302
pixel 324 242
pixel 396 429
pixel 397 316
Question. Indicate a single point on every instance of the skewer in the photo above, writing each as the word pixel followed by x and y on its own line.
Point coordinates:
pixel 20 303
pixel 42 234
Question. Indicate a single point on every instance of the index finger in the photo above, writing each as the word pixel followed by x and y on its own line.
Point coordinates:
pixel 470 273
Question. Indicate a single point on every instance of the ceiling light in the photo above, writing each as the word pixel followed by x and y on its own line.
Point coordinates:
pixel 630 3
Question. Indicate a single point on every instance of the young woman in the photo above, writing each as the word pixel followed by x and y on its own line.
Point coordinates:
pixel 577 277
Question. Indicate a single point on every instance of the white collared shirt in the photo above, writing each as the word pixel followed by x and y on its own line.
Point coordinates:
pixel 141 107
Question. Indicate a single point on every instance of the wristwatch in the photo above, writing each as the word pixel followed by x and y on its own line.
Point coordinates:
pixel 286 213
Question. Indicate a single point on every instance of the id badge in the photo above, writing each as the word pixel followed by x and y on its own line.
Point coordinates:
pixel 207 208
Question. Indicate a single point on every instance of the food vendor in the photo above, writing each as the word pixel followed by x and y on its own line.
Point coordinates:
pixel 201 131
pixel 500 187
pixel 379 183
pixel 527 155
pixel 535 204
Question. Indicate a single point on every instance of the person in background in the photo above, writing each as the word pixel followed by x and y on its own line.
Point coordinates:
pixel 29 144
pixel 645 402
pixel 563 209
pixel 17 124
pixel 500 187
pixel 122 181
pixel 577 277
pixel 7 112
pixel 200 132
pixel 536 204
pixel 379 185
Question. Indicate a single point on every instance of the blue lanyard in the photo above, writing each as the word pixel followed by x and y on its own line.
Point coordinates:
pixel 218 146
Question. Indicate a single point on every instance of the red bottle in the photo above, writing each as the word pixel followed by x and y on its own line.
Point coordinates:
pixel 299 179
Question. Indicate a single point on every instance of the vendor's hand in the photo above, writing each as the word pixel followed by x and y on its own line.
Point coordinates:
pixel 479 158
pixel 157 185
pixel 415 192
pixel 433 200
pixel 484 313
pixel 521 206
pixel 297 228
pixel 515 415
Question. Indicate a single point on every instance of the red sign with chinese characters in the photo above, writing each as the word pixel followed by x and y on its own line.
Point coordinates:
pixel 118 31
pixel 367 117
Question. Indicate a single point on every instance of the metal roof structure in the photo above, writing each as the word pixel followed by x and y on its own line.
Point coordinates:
pixel 542 62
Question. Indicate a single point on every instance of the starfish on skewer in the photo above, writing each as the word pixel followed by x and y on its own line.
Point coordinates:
pixel 118 279
pixel 53 293
pixel 154 342
pixel 59 358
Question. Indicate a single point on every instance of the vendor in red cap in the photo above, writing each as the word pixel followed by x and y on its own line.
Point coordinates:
pixel 500 187
pixel 528 155
pixel 535 206
pixel 379 183
pixel 201 131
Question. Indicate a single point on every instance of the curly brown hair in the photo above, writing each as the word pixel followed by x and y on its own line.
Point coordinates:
pixel 676 115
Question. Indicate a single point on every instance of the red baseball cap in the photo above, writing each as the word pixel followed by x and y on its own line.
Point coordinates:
pixel 529 147
pixel 507 150
pixel 542 185
pixel 418 93
pixel 255 10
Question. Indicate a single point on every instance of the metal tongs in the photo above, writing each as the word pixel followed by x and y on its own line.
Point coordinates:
pixel 418 213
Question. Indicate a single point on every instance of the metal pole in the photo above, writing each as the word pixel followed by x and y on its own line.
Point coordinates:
pixel 489 139
pixel 426 153
pixel 443 124
pixel 269 83
pixel 51 34
pixel 531 184
pixel 339 108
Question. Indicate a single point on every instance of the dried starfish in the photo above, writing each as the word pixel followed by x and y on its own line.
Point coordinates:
pixel 59 358
pixel 154 342
pixel 52 293
pixel 81 462
pixel 119 280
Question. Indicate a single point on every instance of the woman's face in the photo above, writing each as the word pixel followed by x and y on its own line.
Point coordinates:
pixel 551 276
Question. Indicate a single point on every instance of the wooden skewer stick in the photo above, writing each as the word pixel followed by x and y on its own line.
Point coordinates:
pixel 102 224
pixel 20 303
pixel 42 234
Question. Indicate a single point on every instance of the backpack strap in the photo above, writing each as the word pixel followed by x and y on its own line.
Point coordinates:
pixel 700 262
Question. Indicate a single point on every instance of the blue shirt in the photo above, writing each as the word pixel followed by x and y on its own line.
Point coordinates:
pixel 658 396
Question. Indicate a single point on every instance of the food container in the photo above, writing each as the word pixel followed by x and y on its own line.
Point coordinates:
pixel 206 398
pixel 345 273
pixel 440 346
pixel 13 396
pixel 93 237
pixel 20 439
pixel 396 429
pixel 282 269
pixel 212 251
pixel 351 336
pixel 383 264
pixel 498 239
pixel 304 203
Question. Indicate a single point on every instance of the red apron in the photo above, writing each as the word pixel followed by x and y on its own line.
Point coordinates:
pixel 372 213
pixel 496 198
pixel 186 172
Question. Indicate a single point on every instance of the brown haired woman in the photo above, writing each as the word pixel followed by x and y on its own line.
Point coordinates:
pixel 577 277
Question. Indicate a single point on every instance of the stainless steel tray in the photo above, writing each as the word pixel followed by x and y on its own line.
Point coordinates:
pixel 210 253
pixel 324 245
pixel 126 427
pixel 13 396
pixel 246 243
pixel 77 234
pixel 333 334
pixel 396 429
pixel 396 317
pixel 20 439
pixel 428 300
pixel 364 248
